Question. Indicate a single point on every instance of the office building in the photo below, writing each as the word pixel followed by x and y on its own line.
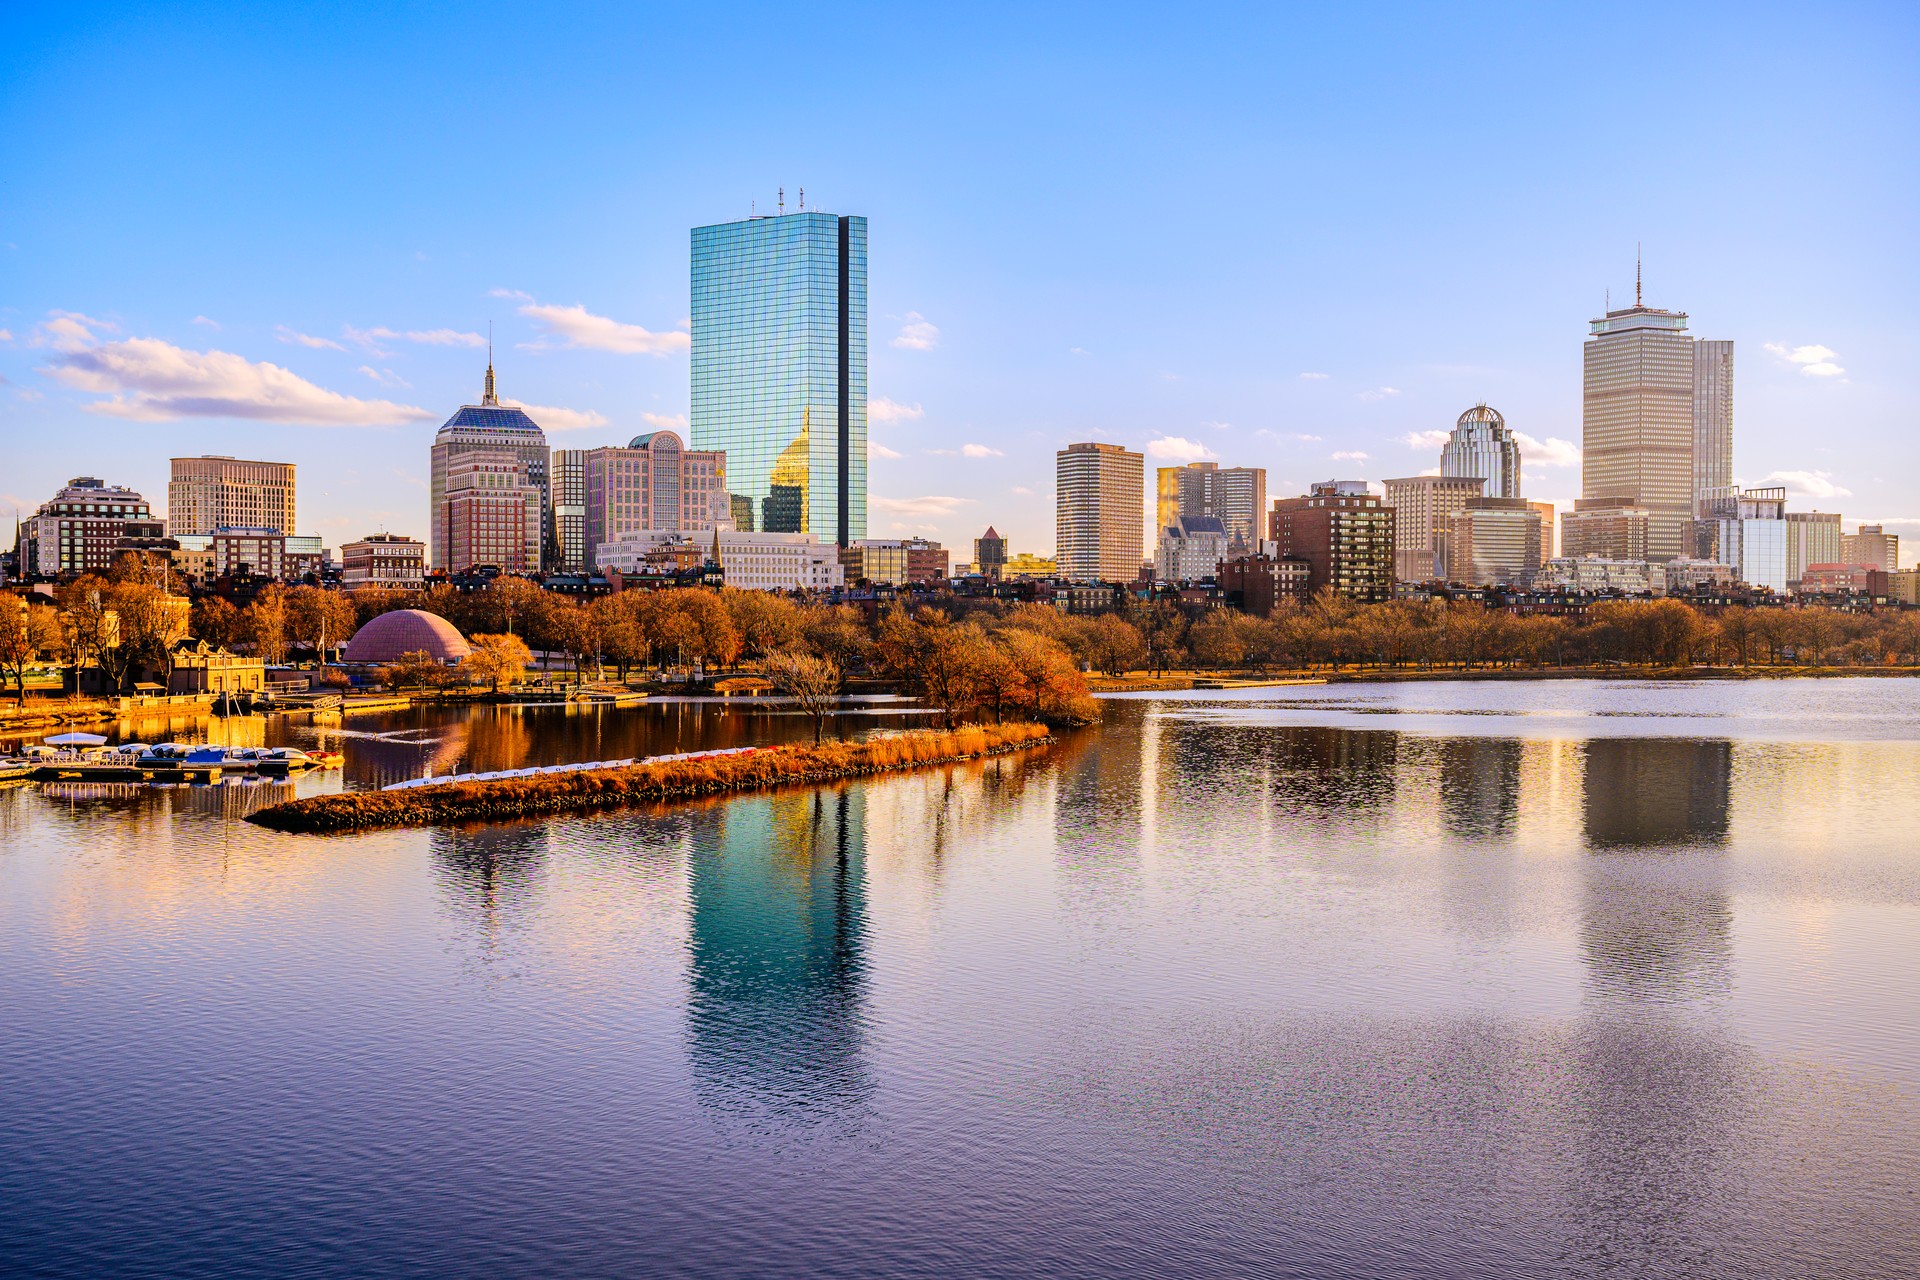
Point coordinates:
pixel 212 492
pixel 492 429
pixel 1482 447
pixel 655 482
pixel 1686 575
pixel 384 560
pixel 1236 495
pixel 1549 528
pixel 780 369
pixel 1604 527
pixel 1712 418
pixel 1846 579
pixel 1813 537
pixel 990 555
pixel 1650 403
pixel 1747 530
pixel 1099 501
pixel 1494 542
pixel 1190 549
pixel 1260 583
pixel 1871 544
pixel 493 513
pixel 1423 507
pixel 567 499
pixel 245 549
pixel 894 562
pixel 83 527
pixel 1345 533
pixel 750 561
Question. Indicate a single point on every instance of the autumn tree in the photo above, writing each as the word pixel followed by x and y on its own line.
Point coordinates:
pixel 763 621
pixel 499 659
pixel 215 620
pixel 27 630
pixel 320 619
pixel 267 623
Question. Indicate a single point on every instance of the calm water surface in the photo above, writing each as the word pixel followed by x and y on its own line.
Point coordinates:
pixel 1557 979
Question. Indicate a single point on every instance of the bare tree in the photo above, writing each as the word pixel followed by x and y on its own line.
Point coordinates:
pixel 813 683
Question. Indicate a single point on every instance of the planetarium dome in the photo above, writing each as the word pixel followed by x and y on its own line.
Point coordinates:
pixel 392 636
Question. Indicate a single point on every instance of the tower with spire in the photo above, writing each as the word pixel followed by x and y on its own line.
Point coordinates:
pixel 495 429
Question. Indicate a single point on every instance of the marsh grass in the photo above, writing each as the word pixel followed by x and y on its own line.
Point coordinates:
pixel 508 798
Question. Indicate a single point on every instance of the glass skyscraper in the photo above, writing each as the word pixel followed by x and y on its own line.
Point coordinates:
pixel 780 369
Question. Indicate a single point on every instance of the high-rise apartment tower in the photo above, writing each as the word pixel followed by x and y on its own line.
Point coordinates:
pixel 1237 496
pixel 1100 499
pixel 780 369
pixel 211 492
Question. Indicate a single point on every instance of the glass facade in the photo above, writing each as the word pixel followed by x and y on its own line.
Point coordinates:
pixel 780 369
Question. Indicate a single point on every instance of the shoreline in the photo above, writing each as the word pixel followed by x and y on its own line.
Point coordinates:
pixel 546 795
pixel 1183 682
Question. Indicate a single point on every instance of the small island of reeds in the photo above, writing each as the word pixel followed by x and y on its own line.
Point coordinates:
pixel 538 795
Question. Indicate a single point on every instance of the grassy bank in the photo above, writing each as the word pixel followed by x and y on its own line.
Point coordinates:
pixel 507 798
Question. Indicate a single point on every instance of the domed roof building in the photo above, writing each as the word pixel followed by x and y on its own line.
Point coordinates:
pixel 1481 446
pixel 392 636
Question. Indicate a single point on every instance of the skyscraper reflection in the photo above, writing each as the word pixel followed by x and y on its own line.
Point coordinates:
pixel 1480 787
pixel 1643 792
pixel 778 939
pixel 489 876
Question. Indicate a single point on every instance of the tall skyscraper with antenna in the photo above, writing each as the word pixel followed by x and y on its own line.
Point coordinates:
pixel 1656 424
pixel 500 433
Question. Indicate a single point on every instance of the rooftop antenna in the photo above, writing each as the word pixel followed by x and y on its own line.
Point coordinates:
pixel 486 396
pixel 1636 273
pixel 803 199
pixel 783 199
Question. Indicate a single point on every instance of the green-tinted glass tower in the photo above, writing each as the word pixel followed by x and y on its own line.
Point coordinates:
pixel 780 369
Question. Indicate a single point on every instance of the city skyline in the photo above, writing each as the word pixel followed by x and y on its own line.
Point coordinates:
pixel 1006 320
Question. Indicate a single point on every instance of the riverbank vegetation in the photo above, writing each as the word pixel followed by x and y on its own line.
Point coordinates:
pixel 550 793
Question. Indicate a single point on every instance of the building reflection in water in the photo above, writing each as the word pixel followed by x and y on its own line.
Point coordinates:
pixel 489 878
pixel 1659 1093
pixel 1480 787
pixel 778 959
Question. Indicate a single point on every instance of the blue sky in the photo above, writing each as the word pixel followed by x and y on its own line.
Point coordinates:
pixel 1297 239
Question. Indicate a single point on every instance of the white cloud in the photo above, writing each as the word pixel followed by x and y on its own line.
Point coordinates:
pixel 555 418
pixel 1434 439
pixel 929 506
pixel 1022 490
pixel 1807 484
pixel 1078 351
pixel 515 294
pixel 155 381
pixel 1551 452
pixel 1313 377
pixel 298 339
pixel 1815 361
pixel 371 339
pixel 1304 438
pixel 877 450
pixel 68 331
pixel 1178 449
pixel 6 335
pixel 665 421
pixel 204 320
pixel 885 410
pixel 575 326
pixel 1380 393
pixel 385 377
pixel 980 451
pixel 1349 455
pixel 917 334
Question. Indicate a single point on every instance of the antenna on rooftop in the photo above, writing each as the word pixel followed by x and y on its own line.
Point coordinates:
pixel 803 199
pixel 1636 273
pixel 783 199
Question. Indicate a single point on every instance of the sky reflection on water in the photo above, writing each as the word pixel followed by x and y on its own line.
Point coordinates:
pixel 1196 993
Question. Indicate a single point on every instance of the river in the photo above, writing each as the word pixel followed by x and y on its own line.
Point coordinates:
pixel 1424 980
